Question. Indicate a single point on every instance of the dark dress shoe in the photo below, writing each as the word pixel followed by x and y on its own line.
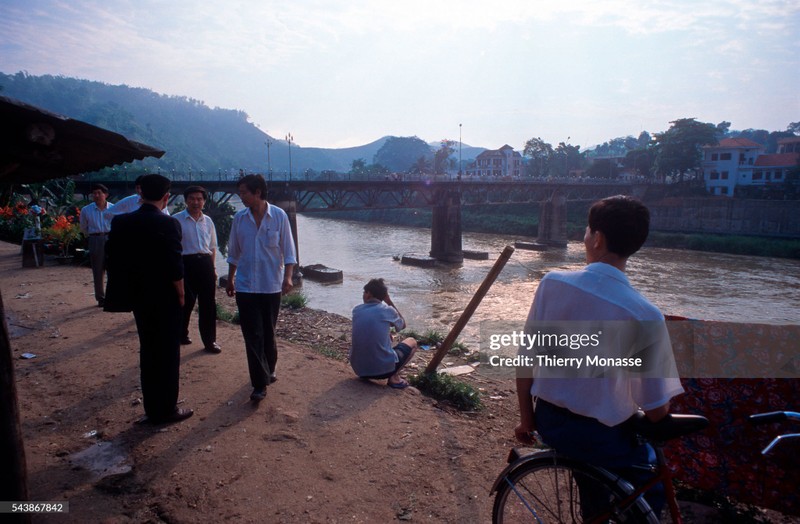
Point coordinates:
pixel 214 348
pixel 258 394
pixel 177 416
pixel 185 341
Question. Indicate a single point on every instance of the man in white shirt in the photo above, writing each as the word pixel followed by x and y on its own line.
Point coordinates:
pixel 261 260
pixel 199 244
pixel 586 417
pixel 96 223
pixel 131 202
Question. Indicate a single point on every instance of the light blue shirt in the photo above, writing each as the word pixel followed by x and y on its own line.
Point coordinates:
pixel 260 253
pixel 601 292
pixel 199 236
pixel 371 353
pixel 95 220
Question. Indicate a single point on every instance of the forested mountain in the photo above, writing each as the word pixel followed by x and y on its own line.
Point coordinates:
pixel 195 137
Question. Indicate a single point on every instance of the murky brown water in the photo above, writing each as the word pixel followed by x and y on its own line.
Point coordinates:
pixel 689 283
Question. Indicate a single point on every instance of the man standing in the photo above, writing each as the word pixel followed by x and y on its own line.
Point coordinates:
pixel 261 259
pixel 585 416
pixel 146 269
pixel 131 202
pixel 200 276
pixel 372 355
pixel 96 223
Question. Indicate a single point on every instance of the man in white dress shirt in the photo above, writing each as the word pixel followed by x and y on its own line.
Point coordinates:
pixel 130 203
pixel 96 223
pixel 261 260
pixel 199 272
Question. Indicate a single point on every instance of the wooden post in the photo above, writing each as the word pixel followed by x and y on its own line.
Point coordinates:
pixel 470 309
pixel 13 474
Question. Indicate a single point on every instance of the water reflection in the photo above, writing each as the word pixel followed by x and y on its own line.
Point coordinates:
pixel 689 283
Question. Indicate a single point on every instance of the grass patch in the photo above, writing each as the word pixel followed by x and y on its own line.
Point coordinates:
pixel 444 387
pixel 297 300
pixel 231 317
pixel 329 352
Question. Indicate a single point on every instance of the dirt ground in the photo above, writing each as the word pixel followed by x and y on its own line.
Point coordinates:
pixel 323 446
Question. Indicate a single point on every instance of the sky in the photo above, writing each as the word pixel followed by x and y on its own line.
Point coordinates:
pixel 348 72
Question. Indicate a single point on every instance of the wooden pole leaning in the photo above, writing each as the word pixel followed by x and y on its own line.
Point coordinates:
pixel 470 309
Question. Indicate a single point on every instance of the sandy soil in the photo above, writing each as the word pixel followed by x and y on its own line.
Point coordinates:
pixel 323 447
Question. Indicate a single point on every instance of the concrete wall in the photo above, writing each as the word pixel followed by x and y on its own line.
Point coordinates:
pixel 770 218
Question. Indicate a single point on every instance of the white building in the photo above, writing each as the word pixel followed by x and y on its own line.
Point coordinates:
pixel 501 163
pixel 740 162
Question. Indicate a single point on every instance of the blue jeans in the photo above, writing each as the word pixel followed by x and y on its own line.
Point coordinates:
pixel 614 448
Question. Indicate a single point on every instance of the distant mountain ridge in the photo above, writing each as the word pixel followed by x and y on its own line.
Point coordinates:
pixel 195 137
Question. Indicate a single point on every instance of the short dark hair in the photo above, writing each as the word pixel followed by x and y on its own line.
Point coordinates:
pixel 195 189
pixel 154 187
pixel 101 187
pixel 138 181
pixel 624 221
pixel 254 183
pixel 377 288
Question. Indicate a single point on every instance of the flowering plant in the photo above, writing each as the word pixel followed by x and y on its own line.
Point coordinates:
pixel 18 218
pixel 64 231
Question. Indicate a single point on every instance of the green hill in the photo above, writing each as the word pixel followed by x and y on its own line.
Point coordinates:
pixel 196 138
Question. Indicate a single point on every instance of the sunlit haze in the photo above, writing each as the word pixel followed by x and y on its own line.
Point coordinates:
pixel 338 74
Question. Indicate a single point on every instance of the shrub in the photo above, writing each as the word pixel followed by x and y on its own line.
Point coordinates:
pixel 294 300
pixel 444 387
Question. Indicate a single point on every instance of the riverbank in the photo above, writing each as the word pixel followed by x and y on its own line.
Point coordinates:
pixel 323 447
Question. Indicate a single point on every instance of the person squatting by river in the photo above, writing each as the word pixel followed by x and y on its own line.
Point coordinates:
pixel 371 354
pixel 261 260
pixel 199 244
pixel 585 418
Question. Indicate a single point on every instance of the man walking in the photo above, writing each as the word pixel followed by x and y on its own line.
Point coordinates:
pixel 261 259
pixel 96 223
pixel 200 276
pixel 146 269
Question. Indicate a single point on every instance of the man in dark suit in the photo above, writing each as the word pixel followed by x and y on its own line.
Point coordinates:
pixel 146 277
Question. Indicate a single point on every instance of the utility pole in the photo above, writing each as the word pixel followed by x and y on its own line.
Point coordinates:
pixel 290 139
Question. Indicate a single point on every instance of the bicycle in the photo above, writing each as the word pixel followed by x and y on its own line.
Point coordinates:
pixel 545 487
pixel 769 418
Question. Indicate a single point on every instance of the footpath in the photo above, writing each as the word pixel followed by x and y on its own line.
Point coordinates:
pixel 323 446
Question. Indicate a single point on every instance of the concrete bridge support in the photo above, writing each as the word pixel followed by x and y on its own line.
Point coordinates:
pixel 286 200
pixel 446 227
pixel 553 222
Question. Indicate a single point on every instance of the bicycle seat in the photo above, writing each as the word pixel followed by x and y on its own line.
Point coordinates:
pixel 670 427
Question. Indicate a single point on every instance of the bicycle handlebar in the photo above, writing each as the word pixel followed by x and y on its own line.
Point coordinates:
pixel 773 416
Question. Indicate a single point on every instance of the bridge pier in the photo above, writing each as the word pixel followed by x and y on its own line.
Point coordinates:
pixel 446 227
pixel 553 221
pixel 286 200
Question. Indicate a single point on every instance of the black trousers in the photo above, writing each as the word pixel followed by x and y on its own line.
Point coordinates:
pixel 258 315
pixel 200 286
pixel 159 325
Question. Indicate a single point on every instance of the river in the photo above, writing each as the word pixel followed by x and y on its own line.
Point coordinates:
pixel 694 284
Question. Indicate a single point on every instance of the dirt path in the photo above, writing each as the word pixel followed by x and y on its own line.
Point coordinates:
pixel 323 446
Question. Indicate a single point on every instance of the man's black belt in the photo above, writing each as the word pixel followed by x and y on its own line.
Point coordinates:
pixel 197 255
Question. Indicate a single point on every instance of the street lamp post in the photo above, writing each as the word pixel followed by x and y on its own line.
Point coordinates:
pixel 269 161
pixel 459 151
pixel 289 140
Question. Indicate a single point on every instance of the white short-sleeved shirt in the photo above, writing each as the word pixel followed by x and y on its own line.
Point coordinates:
pixel 600 292
pixel 95 220
pixel 199 236
pixel 260 254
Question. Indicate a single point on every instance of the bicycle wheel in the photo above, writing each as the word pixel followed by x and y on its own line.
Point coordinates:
pixel 553 489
